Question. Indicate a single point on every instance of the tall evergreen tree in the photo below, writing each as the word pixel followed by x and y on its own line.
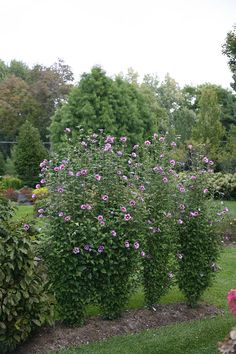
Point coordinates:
pixel 28 153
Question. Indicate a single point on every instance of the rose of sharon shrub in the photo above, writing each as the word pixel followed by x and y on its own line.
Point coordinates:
pixel 94 237
pixel 198 240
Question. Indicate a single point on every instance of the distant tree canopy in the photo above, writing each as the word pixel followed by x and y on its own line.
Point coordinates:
pixel 229 49
pixel 100 102
pixel 31 94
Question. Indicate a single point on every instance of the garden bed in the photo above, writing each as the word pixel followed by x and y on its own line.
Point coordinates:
pixel 96 329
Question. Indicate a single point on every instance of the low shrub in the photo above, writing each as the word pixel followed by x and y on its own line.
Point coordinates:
pixel 10 182
pixel 11 194
pixel 223 185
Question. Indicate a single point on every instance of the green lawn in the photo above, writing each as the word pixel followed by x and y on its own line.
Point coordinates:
pixel 196 337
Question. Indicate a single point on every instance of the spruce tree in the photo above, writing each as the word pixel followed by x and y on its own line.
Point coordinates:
pixel 28 153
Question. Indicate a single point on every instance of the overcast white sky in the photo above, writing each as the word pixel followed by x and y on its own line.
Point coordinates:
pixel 182 37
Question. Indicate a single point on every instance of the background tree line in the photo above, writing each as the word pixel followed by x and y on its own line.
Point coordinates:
pixel 49 100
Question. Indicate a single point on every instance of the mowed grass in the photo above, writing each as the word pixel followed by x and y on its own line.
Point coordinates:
pixel 195 337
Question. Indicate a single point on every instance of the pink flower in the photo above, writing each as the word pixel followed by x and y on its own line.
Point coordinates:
pixel 102 223
pixel 147 142
pixel 142 254
pixel 123 209
pixel 43 181
pixel 70 173
pixel 26 227
pixel 134 155
pixel 84 171
pixel 155 136
pixel 182 206
pixel 162 139
pixel 61 214
pixel 67 130
pixel 205 159
pixel 37 186
pixel 181 189
pixel 100 217
pixel 98 177
pixel 105 197
pixel 132 203
pixel 180 222
pixel 165 179
pixel 34 196
pixel 119 153
pixel 126 244
pixel 210 162
pixel 123 139
pixel 190 146
pixel 110 139
pixel 41 211
pixel 76 250
pixel 193 178
pixel 56 169
pixel 101 249
pixel 205 190
pixel 136 245
pixel 62 166
pixel 231 297
pixel 142 187
pixel 60 189
pixel 135 147
pixel 194 213
pixel 172 162
pixel 173 144
pixel 127 217
pixel 107 147
pixel 113 233
pixel 67 218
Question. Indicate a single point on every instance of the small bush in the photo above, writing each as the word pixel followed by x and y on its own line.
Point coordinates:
pixel 11 194
pixel 10 182
pixel 24 302
pixel 223 185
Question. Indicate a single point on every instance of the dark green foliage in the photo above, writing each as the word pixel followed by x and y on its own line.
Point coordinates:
pixel 2 164
pixel 198 241
pixel 116 106
pixel 24 305
pixel 28 154
pixel 229 49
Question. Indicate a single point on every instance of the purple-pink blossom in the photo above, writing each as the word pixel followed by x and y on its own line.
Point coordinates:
pixel 123 209
pixel 98 177
pixel 147 142
pixel 155 136
pixel 67 130
pixel 43 181
pixel 100 217
pixel 142 254
pixel 70 173
pixel 119 153
pixel 127 244
pixel 62 166
pixel 205 159
pixel 136 245
pixel 88 248
pixel 41 211
pixel 107 147
pixel 113 233
pixel 132 203
pixel 110 139
pixel 162 139
pixel 76 250
pixel 127 217
pixel 101 249
pixel 172 162
pixel 173 144
pixel 38 186
pixel 56 169
pixel 205 190
pixel 123 139
pixel 67 218
pixel 105 197
pixel 26 227
pixel 134 155
pixel 61 214
pixel 165 179
pixel 182 206
pixel 194 213
pixel 142 187
pixel 193 178
pixel 180 221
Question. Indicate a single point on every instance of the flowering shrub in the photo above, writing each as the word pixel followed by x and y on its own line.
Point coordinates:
pixel 24 303
pixel 94 236
pixel 158 177
pixel 198 241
